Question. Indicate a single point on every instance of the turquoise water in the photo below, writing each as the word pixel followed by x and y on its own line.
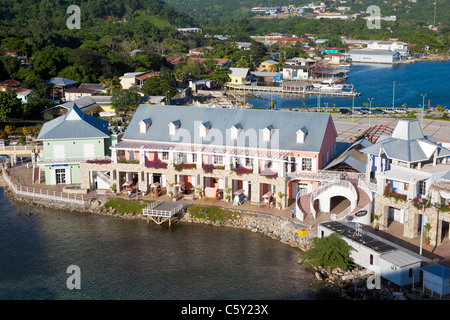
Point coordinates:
pixel 133 260
pixel 377 82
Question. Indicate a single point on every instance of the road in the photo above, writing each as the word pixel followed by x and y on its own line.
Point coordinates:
pixel 347 130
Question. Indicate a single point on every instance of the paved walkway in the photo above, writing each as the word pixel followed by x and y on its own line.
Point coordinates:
pixel 394 233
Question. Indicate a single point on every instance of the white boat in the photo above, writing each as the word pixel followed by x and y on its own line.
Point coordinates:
pixel 328 85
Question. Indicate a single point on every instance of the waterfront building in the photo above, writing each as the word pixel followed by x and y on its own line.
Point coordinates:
pixel 296 72
pixel 374 56
pixel 380 52
pixel 69 140
pixel 239 75
pixel 266 155
pixel 403 166
pixel 377 255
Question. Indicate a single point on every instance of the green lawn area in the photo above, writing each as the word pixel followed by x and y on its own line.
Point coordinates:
pixel 127 205
pixel 211 213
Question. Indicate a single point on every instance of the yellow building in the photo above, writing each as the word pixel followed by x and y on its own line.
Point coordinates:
pixel 267 65
pixel 239 75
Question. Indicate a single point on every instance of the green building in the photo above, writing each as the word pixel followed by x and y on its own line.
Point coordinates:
pixel 69 140
pixel 332 50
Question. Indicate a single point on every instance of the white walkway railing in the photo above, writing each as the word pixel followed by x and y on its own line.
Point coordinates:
pixel 36 193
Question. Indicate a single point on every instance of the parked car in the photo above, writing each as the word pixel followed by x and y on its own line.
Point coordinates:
pixel 401 110
pixel 379 111
pixel 366 110
pixel 345 111
pixel 358 111
pixel 391 110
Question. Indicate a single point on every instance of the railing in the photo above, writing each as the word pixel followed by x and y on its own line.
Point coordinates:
pixel 43 160
pixel 346 184
pixel 299 212
pixel 326 175
pixel 36 193
pixel 367 187
pixel 150 211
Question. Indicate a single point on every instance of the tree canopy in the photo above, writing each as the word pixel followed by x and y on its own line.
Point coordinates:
pixel 330 251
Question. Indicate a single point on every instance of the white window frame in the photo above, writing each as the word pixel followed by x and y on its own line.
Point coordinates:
pixel 304 164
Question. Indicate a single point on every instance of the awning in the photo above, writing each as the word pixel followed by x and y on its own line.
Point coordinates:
pixel 268 195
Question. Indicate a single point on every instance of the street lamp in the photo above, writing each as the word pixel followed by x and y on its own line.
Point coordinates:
pixel 423 104
pixel 370 108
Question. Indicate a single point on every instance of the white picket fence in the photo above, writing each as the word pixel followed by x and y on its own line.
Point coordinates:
pixel 37 194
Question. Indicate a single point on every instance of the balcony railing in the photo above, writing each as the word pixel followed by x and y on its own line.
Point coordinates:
pixel 43 160
pixel 325 175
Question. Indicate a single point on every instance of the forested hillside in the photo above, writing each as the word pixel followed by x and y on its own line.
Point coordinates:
pixel 110 30
pixel 234 17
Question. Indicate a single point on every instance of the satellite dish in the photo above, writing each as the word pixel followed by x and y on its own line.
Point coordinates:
pixel 333 217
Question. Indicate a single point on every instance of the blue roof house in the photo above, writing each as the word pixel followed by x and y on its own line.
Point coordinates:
pixel 69 140
pixel 407 161
pixel 61 84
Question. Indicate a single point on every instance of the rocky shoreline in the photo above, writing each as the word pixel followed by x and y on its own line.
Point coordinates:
pixel 342 285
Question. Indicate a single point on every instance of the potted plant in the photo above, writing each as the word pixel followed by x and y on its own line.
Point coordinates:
pixel 113 187
pixel 427 239
pixel 280 198
pixel 170 190
pixel 376 218
pixel 227 194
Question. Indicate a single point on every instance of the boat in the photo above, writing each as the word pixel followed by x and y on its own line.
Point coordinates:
pixel 328 85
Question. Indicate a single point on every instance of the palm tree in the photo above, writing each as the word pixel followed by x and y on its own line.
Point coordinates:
pixel 273 68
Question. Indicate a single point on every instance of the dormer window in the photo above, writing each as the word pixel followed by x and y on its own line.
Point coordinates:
pixel 173 127
pixel 301 135
pixel 235 131
pixel 144 125
pixel 204 127
pixel 267 133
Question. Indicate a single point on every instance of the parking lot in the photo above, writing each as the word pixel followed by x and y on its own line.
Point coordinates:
pixel 351 125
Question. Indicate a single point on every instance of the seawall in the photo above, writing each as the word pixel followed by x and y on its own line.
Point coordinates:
pixel 273 226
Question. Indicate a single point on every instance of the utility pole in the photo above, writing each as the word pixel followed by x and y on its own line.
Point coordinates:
pixel 370 109
pixel 423 104
pixel 393 97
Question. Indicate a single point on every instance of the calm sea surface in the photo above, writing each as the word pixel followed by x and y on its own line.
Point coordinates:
pixel 129 259
pixel 377 82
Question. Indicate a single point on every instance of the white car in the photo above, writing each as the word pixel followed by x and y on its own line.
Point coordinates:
pixel 390 110
pixel 401 110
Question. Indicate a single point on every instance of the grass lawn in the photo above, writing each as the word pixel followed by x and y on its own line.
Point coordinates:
pixel 212 213
pixel 127 205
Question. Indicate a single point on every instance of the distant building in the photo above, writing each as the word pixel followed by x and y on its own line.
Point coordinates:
pixel 336 16
pixel 61 84
pixel 239 75
pixel 374 56
pixel 73 94
pixel 23 94
pixel 381 52
pixel 135 79
pixel 296 72
pixel 9 84
pixel 266 65
pixel 185 30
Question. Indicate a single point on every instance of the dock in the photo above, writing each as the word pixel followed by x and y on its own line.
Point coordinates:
pixel 294 89
pixel 163 211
